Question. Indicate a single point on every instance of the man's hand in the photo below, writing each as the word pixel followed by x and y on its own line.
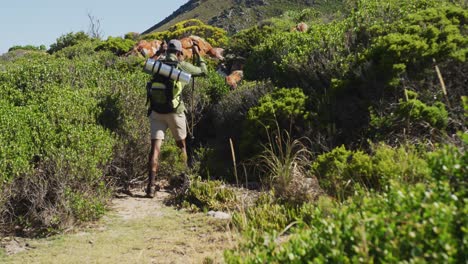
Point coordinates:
pixel 195 48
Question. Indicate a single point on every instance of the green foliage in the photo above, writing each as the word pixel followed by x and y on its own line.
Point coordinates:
pixel 420 215
pixel 413 113
pixel 365 61
pixel 283 55
pixel 267 216
pixel 283 108
pixel 264 217
pixel 213 86
pixel 208 195
pixel 86 208
pixel 451 164
pixel 331 168
pixel 243 43
pixel 62 117
pixel 283 166
pixel 465 104
pixel 217 37
pixel 132 36
pixel 28 47
pixel 433 33
pixel 340 171
pixel 282 105
pixel 117 45
pixel 417 111
pixel 16 142
pixel 84 48
pixel 68 40
pixel 224 119
pixel 412 223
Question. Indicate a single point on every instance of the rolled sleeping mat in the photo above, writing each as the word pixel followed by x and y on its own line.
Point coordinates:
pixel 157 67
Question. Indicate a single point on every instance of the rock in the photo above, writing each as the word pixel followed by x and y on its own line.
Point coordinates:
pixel 219 215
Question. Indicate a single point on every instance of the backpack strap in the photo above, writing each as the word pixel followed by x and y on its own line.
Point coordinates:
pixel 168 91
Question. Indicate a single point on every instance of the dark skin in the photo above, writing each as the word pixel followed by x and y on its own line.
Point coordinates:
pixel 157 143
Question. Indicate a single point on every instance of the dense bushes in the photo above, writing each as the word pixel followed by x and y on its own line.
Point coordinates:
pixel 392 203
pixel 17 144
pixel 341 170
pixel 366 60
pixel 62 118
pixel 406 222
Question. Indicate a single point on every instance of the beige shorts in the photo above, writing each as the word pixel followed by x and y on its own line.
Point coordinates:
pixel 175 122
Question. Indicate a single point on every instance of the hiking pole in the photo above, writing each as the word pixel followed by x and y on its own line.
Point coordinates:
pixel 193 98
pixel 193 109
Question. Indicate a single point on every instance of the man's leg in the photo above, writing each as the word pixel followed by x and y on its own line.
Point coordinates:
pixel 153 166
pixel 183 148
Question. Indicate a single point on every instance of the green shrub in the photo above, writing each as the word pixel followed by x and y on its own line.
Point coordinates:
pixel 330 169
pixel 267 216
pixel 28 47
pixel 366 60
pixel 243 43
pixel 132 36
pixel 82 49
pixel 283 168
pixel 263 218
pixel 171 162
pixel 414 115
pixel 404 164
pixel 68 40
pixel 214 87
pixel 208 195
pixel 64 120
pixel 450 164
pixel 282 107
pixel 410 223
pixel 416 111
pixel 17 141
pixel 340 171
pixel 116 45
pixel 86 208
pixel 223 121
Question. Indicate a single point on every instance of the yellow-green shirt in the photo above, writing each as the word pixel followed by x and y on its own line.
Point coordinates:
pixel 187 67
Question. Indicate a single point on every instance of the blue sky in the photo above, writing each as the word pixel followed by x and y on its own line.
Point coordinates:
pixel 37 22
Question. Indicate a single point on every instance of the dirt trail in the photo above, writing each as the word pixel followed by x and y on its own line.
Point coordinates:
pixel 137 230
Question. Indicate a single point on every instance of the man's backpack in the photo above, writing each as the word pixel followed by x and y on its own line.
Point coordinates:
pixel 160 92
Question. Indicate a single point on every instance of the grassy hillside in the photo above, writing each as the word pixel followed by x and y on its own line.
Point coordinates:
pixel 234 15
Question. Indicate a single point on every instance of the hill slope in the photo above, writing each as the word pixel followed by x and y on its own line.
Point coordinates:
pixel 234 15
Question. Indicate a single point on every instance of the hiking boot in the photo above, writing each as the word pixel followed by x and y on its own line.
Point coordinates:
pixel 150 189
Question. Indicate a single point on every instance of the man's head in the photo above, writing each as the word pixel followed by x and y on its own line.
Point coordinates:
pixel 174 46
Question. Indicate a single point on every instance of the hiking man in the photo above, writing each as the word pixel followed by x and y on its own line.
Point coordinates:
pixel 174 119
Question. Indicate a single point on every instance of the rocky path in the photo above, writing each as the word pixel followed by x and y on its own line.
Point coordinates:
pixel 136 230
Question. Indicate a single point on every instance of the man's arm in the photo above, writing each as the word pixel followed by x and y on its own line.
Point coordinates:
pixel 200 69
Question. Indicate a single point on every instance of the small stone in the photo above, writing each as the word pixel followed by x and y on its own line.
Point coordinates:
pixel 219 215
